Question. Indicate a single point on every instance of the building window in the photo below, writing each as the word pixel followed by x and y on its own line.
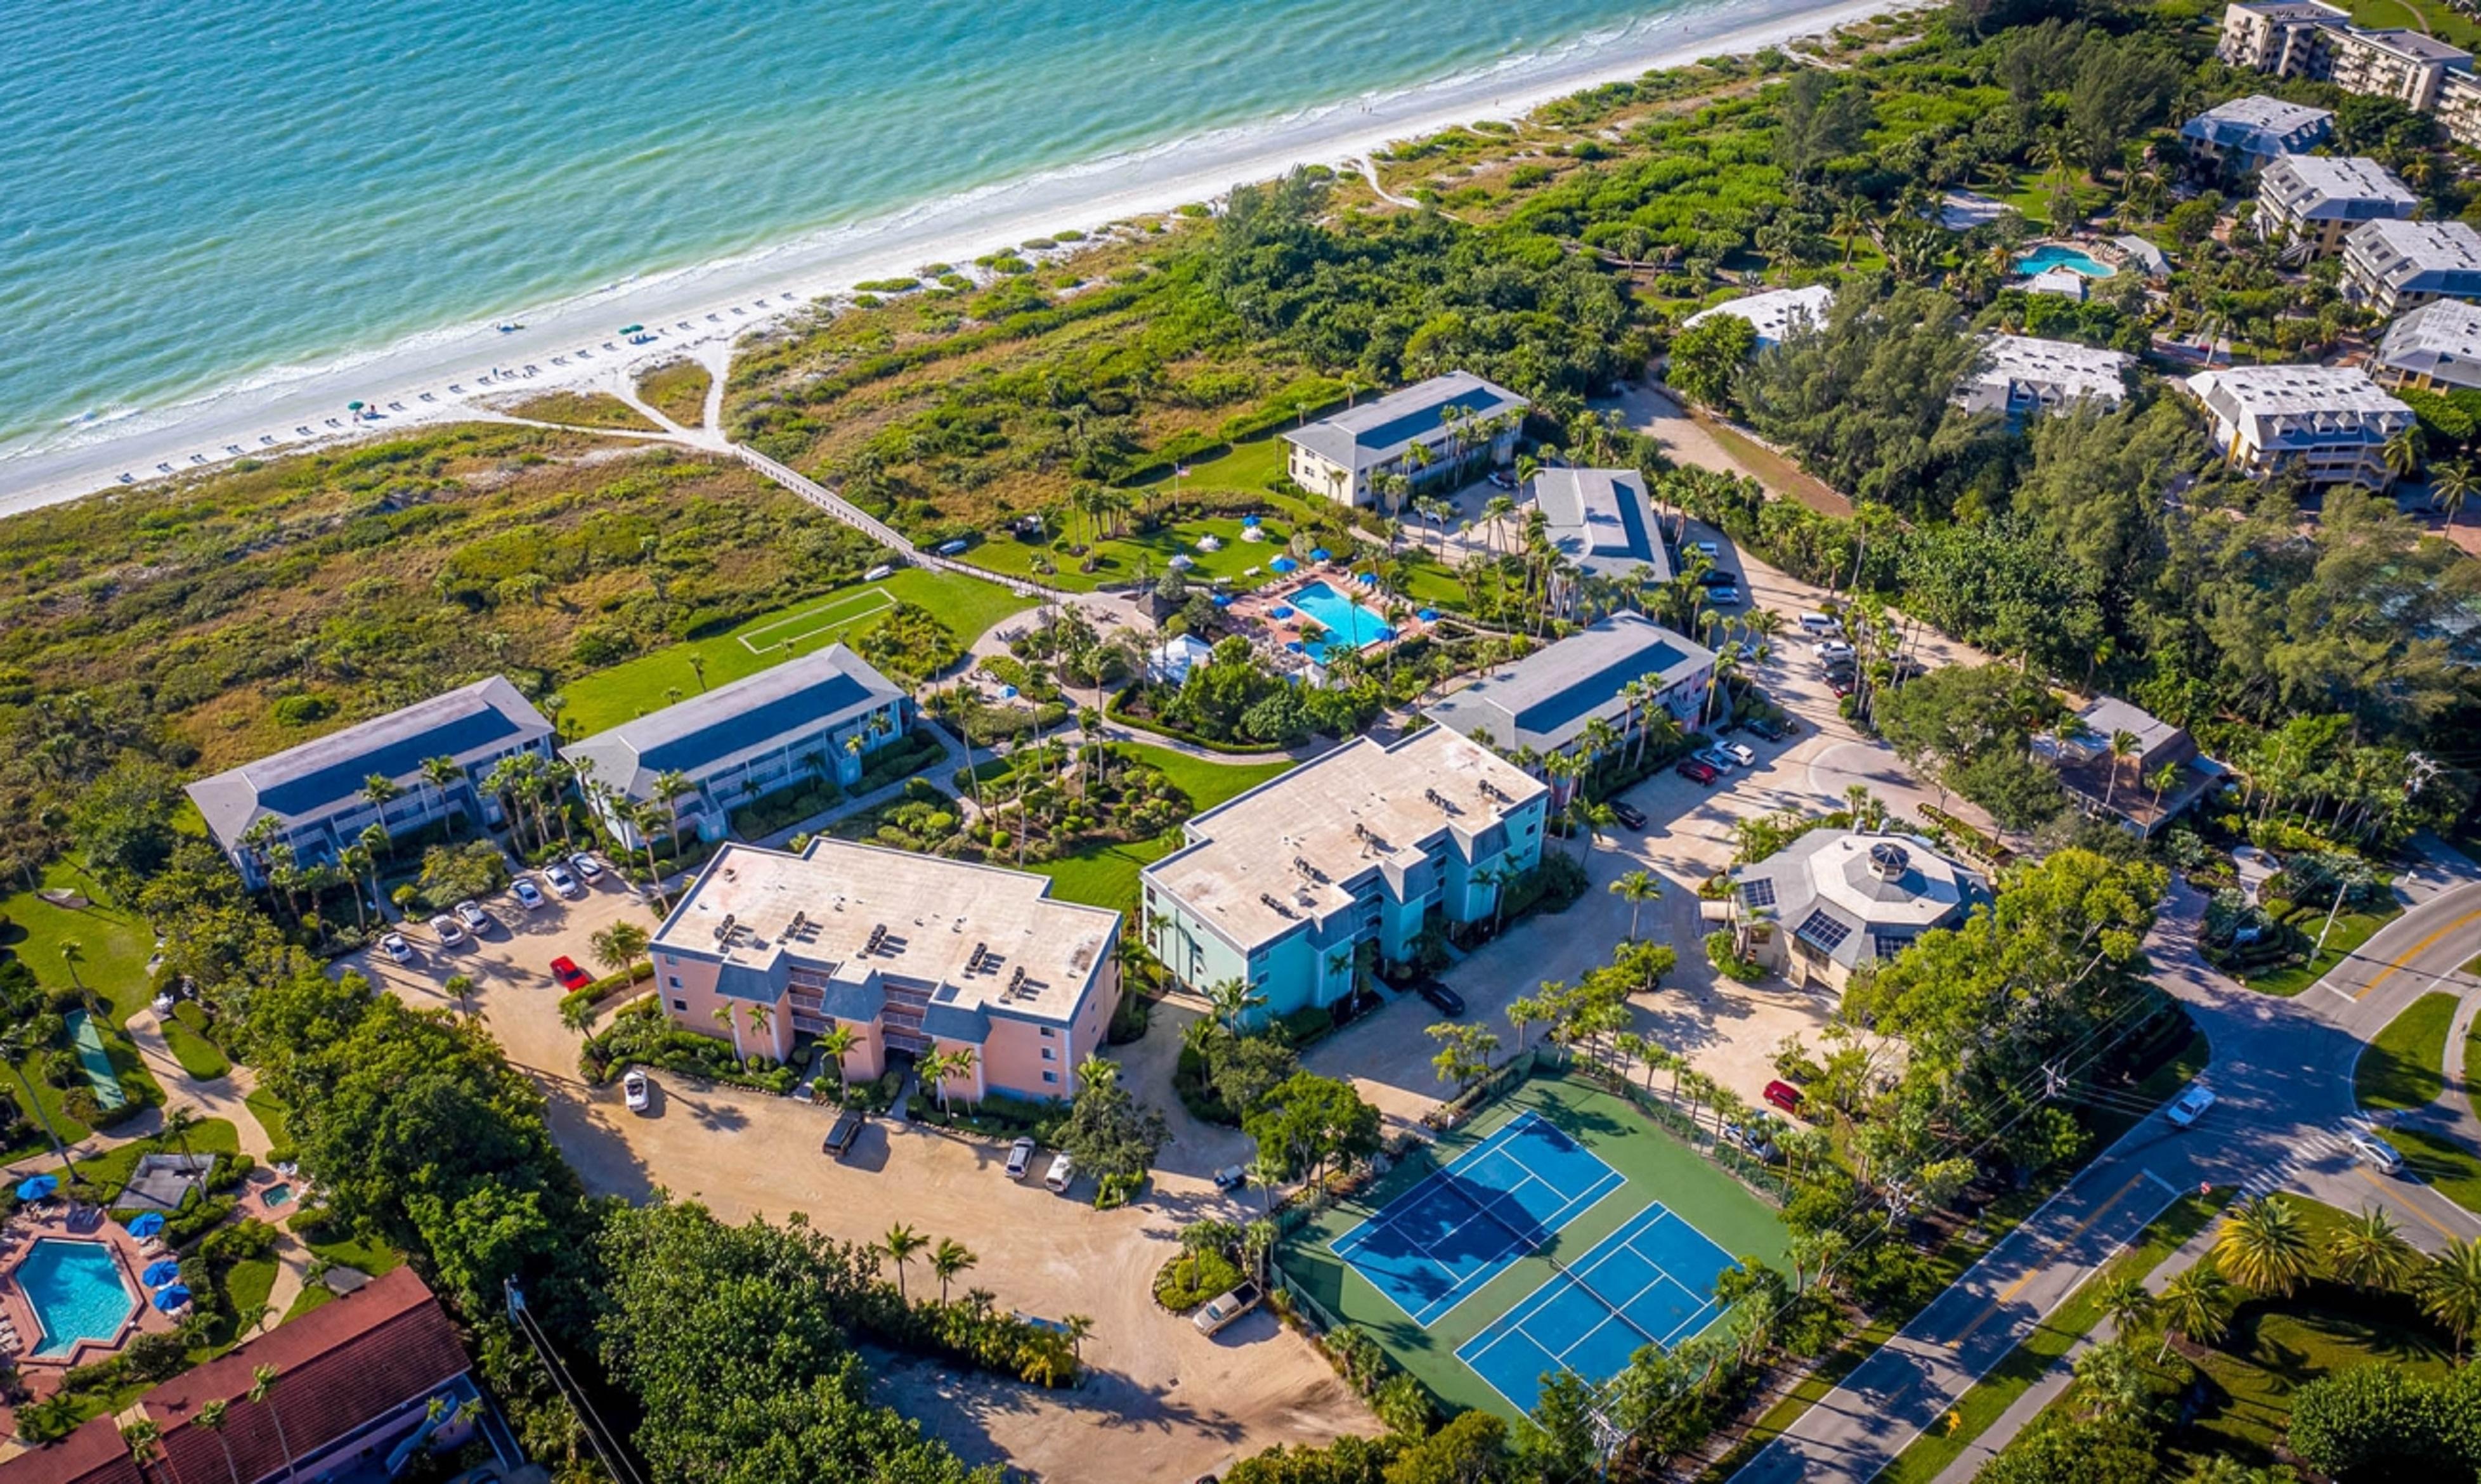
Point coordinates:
pixel 676 982
pixel 680 1008
pixel 1048 1033
pixel 1051 1076
pixel 1050 1054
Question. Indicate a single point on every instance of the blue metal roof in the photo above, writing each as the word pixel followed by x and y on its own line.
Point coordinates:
pixel 313 792
pixel 1481 402
pixel 687 753
pixel 1596 687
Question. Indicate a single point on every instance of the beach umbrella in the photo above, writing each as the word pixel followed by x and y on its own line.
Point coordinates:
pixel 146 1224
pixel 1007 693
pixel 163 1271
pixel 1321 555
pixel 1248 520
pixel 353 406
pixel 1282 564
pixel 171 1298
pixel 34 1188
pixel 631 329
pixel 1427 615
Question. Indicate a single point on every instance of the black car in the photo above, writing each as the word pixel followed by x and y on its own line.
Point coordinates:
pixel 1773 728
pixel 1447 1001
pixel 1628 815
pixel 1717 577
pixel 847 1127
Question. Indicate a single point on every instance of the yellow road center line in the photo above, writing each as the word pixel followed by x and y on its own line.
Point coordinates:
pixel 2035 1270
pixel 2415 952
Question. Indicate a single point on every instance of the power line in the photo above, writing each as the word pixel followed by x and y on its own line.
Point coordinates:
pixel 599 1436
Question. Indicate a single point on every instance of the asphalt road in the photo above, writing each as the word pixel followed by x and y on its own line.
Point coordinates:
pixel 2282 1072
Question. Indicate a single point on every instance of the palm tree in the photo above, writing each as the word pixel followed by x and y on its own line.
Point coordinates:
pixel 2402 451
pixel 2448 486
pixel 443 773
pixel 1076 1327
pixel 2123 744
pixel 2367 1252
pixel 723 1016
pixel 2191 1306
pixel 762 1021
pixel 2126 1304
pixel 178 1121
pixel 262 1391
pixel 960 1066
pixel 836 1044
pixel 1636 888
pixel 2264 1248
pixel 899 1244
pixel 1230 999
pixel 214 1416
pixel 142 1437
pixel 2450 1289
pixel 946 1260
pixel 16 1044
pixel 618 946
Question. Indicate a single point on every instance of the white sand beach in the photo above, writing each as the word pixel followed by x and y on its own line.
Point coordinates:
pixel 700 311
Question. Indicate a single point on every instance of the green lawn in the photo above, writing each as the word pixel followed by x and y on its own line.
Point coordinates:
pixel 633 687
pixel 1106 876
pixel 2351 929
pixel 2405 1066
pixel 114 944
pixel 2442 1161
pixel 313 1295
pixel 2435 17
pixel 1656 1165
pixel 197 1054
pixel 370 1256
pixel 1251 466
pixel 1128 558
pixel 1990 1397
pixel 268 1110
pixel 113 948
pixel 248 1286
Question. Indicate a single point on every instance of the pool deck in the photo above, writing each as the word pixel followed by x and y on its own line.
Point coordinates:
pixel 42 1373
pixel 1252 613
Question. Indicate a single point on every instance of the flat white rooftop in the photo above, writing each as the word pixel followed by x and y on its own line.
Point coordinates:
pixel 1361 806
pixel 934 921
pixel 2293 391
pixel 1774 312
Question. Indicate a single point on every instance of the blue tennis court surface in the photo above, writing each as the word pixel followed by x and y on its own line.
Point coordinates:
pixel 1652 1282
pixel 1434 1245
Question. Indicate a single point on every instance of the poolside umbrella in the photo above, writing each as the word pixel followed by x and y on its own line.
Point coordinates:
pixel 1321 555
pixel 34 1188
pixel 171 1298
pixel 1223 600
pixel 163 1271
pixel 1427 615
pixel 1248 520
pixel 1367 579
pixel 1282 564
pixel 1298 647
pixel 146 1224
pixel 1280 610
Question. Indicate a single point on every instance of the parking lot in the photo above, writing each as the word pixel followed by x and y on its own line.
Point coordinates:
pixel 1174 1403
pixel 1728 1030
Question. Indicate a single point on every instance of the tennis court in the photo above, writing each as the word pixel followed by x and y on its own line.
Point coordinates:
pixel 1501 1251
pixel 1650 1283
pixel 1452 1232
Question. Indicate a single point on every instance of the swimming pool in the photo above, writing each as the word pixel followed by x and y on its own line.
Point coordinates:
pixel 75 1289
pixel 1346 623
pixel 275 1196
pixel 2074 260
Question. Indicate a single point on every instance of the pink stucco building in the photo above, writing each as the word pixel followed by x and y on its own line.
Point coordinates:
pixel 914 953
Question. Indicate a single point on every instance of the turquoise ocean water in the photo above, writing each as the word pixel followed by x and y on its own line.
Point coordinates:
pixel 197 194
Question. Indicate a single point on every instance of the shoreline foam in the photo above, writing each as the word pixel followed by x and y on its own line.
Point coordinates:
pixel 698 311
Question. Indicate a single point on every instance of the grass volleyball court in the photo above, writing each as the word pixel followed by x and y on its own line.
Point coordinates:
pixel 1559 1226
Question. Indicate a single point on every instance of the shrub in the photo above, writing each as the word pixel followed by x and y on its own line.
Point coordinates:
pixel 1307 1024
pixel 1191 1278
pixel 1129 1018
pixel 1719 952
pixel 303 710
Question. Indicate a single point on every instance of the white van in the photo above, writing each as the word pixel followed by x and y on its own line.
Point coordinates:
pixel 1063 1174
pixel 1822 625
pixel 878 573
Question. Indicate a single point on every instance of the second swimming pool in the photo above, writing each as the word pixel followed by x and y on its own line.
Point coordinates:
pixel 1346 623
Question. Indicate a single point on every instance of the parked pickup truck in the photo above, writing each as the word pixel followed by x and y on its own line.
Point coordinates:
pixel 1221 1311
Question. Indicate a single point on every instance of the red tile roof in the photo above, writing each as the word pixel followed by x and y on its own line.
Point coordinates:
pixel 338 1367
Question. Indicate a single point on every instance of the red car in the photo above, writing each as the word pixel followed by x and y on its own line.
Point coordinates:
pixel 1701 772
pixel 1784 1095
pixel 572 978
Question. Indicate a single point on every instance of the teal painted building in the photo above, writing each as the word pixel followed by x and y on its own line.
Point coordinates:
pixel 1283 885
